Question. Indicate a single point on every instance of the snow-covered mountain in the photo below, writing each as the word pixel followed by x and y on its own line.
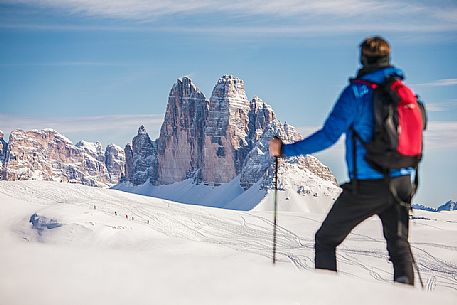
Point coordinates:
pixel 421 207
pixel 447 206
pixel 48 155
pixel 211 146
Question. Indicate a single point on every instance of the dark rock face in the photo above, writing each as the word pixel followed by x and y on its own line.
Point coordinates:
pixel 226 131
pixel 141 162
pixel 260 116
pixel 128 151
pixel 259 162
pixel 180 145
pixel 3 150
pixel 115 162
pixel 233 128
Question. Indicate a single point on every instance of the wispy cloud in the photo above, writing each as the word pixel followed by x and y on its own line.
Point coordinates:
pixel 66 64
pixel 439 83
pixel 442 106
pixel 243 30
pixel 140 9
pixel 144 8
pixel 293 17
pixel 441 134
pixel 117 129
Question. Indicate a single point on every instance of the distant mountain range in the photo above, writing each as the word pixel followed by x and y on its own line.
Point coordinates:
pixel 203 142
pixel 48 155
pixel 447 206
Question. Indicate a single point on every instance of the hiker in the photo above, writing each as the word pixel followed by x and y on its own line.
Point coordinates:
pixel 380 191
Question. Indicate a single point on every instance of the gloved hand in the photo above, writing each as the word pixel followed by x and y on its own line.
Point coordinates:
pixel 275 147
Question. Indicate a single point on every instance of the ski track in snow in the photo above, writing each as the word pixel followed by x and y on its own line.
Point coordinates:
pixel 243 231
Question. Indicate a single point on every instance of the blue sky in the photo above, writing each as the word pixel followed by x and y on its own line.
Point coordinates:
pixel 96 70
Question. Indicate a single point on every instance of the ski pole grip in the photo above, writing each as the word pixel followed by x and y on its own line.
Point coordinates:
pixel 280 147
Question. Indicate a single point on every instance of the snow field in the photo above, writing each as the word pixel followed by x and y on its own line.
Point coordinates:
pixel 172 253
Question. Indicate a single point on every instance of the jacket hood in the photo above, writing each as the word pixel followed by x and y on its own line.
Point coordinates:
pixel 378 76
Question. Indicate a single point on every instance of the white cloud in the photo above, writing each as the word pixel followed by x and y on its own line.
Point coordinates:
pixel 441 135
pixel 442 106
pixel 240 30
pixel 439 83
pixel 139 9
pixel 67 64
pixel 275 17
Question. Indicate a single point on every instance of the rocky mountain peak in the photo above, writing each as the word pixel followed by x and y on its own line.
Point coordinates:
pixel 181 136
pixel 448 206
pixel 142 130
pixel 184 87
pixel 226 131
pixel 212 141
pixel 229 78
pixel 141 158
pixel 229 90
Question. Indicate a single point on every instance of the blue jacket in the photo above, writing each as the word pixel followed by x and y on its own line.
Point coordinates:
pixel 354 108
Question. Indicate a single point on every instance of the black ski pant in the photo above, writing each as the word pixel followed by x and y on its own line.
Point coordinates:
pixel 373 197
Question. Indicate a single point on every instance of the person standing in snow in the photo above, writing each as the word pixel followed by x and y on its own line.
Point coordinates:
pixel 371 193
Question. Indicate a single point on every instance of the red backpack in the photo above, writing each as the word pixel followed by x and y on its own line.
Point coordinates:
pixel 400 118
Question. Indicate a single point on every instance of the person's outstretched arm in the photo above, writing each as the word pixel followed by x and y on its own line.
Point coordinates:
pixel 338 121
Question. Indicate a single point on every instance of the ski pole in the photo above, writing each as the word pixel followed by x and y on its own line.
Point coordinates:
pixel 275 209
pixel 417 268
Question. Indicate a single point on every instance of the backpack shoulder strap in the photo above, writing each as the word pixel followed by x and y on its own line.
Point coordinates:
pixel 359 81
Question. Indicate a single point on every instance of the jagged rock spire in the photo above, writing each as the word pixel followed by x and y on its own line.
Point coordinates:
pixel 181 136
pixel 142 130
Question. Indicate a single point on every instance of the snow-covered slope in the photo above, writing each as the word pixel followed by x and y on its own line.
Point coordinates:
pixel 299 189
pixel 169 253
